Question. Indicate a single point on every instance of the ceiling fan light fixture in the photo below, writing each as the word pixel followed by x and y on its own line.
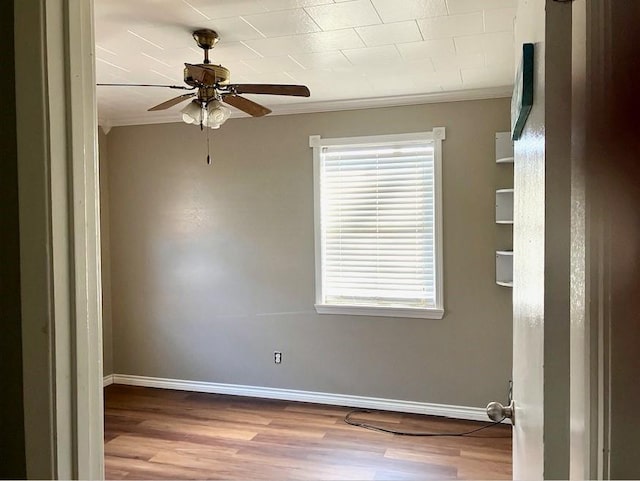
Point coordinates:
pixel 216 115
pixel 192 113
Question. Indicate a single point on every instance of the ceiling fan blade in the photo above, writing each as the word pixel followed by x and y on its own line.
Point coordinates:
pixel 171 102
pixel 246 105
pixel 272 89
pixel 177 87
pixel 201 74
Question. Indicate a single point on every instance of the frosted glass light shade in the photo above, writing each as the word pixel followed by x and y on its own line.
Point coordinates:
pixel 217 114
pixel 192 113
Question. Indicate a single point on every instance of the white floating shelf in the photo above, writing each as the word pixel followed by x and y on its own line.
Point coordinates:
pixel 504 206
pixel 504 148
pixel 504 210
pixel 504 268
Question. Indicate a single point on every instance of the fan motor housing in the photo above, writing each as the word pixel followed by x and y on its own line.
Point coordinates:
pixel 222 75
pixel 207 94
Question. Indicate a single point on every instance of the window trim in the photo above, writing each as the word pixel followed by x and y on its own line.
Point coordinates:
pixel 437 135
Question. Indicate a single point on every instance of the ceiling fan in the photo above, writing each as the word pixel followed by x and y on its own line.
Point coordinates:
pixel 212 87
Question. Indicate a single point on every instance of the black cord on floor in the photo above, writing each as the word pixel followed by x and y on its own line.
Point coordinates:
pixel 348 420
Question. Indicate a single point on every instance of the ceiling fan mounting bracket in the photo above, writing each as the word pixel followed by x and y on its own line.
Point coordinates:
pixel 206 38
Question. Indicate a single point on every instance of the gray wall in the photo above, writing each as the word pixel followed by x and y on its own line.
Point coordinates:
pixel 12 452
pixel 212 267
pixel 105 265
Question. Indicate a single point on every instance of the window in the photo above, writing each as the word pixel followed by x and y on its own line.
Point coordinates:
pixel 378 225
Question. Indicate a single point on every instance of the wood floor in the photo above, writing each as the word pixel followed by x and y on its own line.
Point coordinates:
pixel 161 434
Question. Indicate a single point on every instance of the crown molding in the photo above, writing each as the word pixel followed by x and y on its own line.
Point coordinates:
pixel 396 101
pixel 331 105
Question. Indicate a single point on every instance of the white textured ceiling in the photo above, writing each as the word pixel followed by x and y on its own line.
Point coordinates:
pixel 354 50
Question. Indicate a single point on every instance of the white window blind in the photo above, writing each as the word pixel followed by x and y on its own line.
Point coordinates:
pixel 378 224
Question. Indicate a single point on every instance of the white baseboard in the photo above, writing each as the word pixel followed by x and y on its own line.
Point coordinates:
pixel 107 380
pixel 445 410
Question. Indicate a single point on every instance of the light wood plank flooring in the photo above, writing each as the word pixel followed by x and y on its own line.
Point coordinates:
pixel 162 434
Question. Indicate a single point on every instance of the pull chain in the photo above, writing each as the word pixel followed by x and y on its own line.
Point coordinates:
pixel 208 151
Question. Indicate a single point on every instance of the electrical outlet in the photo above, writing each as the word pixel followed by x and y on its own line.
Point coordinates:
pixel 277 357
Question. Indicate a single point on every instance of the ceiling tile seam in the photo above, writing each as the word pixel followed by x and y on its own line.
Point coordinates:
pixel 196 10
pixel 433 65
pixel 422 33
pixel 395 46
pixel 113 65
pixel 293 36
pixel 291 77
pixel 294 60
pixel 106 50
pixel 404 59
pixel 145 39
pixel 446 4
pixel 162 75
pixel 252 26
pixel 377 13
pixel 298 62
pixel 304 9
pixel 400 52
pixel 250 66
pixel 345 57
pixel 455 45
pixel 419 30
pixel 361 39
pixel 269 10
pixel 252 49
pixel 156 59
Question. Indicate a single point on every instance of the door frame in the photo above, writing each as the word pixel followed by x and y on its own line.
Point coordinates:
pixel 60 248
pixel 591 316
pixel 576 405
pixel 59 238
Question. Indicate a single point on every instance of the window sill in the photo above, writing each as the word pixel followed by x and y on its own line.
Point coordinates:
pixel 416 313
